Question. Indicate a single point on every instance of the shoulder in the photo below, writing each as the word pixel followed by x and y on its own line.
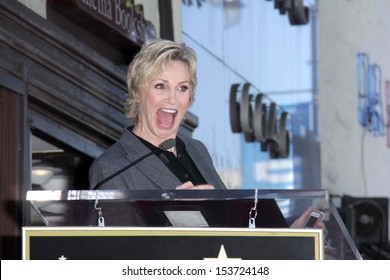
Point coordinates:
pixel 196 148
pixel 112 159
pixel 120 152
pixel 107 163
pixel 190 141
pixel 193 144
pixel 113 152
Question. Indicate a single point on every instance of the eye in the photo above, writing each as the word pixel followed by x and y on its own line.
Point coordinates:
pixel 183 88
pixel 160 86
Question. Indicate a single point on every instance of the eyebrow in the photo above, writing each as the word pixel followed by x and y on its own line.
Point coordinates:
pixel 166 81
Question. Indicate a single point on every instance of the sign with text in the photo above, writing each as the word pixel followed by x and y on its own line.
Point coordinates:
pixel 169 243
pixel 260 123
pixel 122 15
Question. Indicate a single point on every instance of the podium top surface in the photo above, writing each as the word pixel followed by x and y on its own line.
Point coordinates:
pixel 212 208
pixel 227 194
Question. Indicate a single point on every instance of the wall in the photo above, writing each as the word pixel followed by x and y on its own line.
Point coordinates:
pixel 177 20
pixel 38 6
pixel 354 161
pixel 151 12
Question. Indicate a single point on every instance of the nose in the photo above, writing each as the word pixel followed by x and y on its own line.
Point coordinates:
pixel 172 97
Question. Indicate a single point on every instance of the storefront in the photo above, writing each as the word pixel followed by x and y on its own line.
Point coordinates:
pixel 62 88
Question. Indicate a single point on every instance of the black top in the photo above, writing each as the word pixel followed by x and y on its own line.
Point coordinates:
pixel 182 166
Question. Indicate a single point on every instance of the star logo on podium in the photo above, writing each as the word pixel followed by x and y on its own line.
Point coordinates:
pixel 222 255
pixel 62 258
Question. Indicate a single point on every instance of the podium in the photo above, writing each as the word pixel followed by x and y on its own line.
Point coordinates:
pixel 180 224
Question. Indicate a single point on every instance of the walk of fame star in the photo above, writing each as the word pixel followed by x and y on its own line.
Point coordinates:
pixel 222 255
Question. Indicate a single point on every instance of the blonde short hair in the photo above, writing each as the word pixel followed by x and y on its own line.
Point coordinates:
pixel 149 63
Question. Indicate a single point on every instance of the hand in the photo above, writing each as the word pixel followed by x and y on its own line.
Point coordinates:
pixel 189 186
pixel 298 223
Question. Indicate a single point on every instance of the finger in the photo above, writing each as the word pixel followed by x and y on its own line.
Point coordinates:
pixel 321 225
pixel 305 215
pixel 298 223
pixel 204 187
pixel 186 185
pixel 307 212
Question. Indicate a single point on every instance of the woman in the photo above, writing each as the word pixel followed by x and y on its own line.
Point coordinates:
pixel 161 85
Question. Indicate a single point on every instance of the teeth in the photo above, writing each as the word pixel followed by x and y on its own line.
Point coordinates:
pixel 170 111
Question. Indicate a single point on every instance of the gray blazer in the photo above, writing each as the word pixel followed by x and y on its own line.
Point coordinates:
pixel 150 173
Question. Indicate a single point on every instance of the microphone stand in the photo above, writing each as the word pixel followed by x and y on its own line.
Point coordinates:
pixel 166 145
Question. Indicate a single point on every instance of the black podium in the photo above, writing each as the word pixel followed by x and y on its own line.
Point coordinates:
pixel 240 224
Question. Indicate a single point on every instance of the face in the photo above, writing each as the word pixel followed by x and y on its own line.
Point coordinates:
pixel 164 102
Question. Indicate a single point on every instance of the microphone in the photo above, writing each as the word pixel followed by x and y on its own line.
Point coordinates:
pixel 166 145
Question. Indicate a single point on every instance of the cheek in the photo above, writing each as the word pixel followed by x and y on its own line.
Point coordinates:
pixel 184 101
pixel 149 103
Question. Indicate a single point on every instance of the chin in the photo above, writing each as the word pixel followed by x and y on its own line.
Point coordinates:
pixel 166 133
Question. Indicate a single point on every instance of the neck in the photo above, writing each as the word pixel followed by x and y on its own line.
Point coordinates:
pixel 155 141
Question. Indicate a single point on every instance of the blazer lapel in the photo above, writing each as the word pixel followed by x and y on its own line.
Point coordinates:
pixel 200 161
pixel 151 167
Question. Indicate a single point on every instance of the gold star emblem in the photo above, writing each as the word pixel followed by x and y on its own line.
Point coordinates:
pixel 62 258
pixel 222 255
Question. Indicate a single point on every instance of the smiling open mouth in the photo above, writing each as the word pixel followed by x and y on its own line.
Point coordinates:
pixel 166 117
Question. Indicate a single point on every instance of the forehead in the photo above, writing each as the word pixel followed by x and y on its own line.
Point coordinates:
pixel 174 70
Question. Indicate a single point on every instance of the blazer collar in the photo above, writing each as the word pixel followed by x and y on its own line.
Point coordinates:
pixel 154 169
